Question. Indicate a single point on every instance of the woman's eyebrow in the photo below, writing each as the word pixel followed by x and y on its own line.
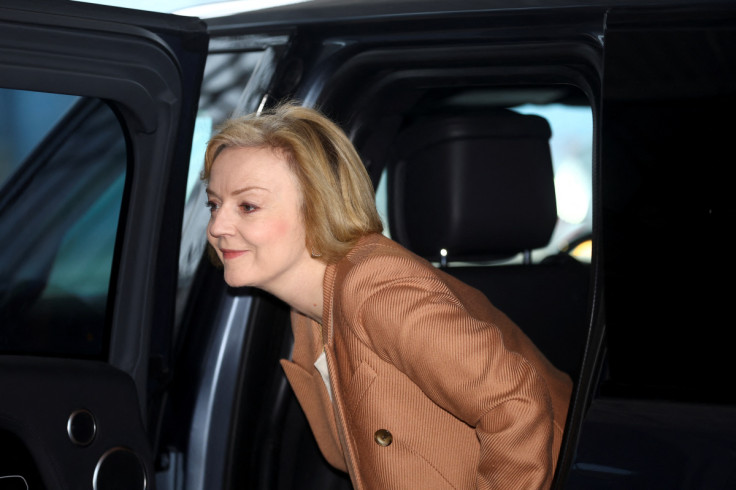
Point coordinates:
pixel 248 188
pixel 236 192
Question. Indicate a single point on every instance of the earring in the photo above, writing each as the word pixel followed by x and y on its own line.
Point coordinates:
pixel 315 254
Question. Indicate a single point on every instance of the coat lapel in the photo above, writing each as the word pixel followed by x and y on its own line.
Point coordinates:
pixel 310 389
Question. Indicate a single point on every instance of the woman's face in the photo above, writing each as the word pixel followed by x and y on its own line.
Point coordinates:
pixel 256 226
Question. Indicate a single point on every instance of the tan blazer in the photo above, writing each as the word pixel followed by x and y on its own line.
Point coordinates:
pixel 433 387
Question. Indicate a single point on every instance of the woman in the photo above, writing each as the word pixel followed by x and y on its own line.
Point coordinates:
pixel 408 377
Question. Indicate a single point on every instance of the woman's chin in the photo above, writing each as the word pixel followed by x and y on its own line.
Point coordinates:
pixel 235 281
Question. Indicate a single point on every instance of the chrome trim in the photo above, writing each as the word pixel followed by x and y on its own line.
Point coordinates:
pixel 8 477
pixel 106 454
pixel 69 427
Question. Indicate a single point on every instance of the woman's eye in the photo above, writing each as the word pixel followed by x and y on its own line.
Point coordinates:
pixel 212 205
pixel 248 208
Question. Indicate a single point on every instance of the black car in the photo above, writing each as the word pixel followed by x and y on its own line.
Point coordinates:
pixel 590 139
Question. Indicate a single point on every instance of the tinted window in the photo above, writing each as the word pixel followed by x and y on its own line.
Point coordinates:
pixel 668 212
pixel 59 211
pixel 25 119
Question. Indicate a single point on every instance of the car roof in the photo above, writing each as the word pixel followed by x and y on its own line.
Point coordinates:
pixel 330 11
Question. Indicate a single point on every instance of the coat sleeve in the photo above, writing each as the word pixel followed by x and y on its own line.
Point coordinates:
pixel 472 367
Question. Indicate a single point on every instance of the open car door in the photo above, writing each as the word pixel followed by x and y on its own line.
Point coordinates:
pixel 662 414
pixel 90 218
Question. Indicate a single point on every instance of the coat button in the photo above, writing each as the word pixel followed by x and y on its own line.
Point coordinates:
pixel 383 437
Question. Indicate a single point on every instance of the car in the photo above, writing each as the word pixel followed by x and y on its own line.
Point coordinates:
pixel 569 158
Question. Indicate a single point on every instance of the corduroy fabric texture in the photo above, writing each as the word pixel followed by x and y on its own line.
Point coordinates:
pixel 468 400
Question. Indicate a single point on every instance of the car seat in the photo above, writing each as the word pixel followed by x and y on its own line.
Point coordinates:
pixel 466 191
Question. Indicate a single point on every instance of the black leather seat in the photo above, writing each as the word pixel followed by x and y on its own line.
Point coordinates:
pixel 481 187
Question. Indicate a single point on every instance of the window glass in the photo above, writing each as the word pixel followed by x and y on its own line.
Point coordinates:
pixel 64 168
pixel 668 213
pixel 25 117
pixel 571 146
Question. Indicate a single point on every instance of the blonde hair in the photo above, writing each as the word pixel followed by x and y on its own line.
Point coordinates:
pixel 338 200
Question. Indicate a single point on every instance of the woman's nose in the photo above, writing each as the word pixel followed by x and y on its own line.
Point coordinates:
pixel 221 223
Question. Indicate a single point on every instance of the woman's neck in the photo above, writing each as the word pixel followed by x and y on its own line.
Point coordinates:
pixel 304 290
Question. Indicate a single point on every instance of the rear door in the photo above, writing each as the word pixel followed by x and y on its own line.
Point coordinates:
pixel 97 112
pixel 663 414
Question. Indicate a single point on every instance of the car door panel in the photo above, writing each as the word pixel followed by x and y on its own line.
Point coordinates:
pixel 660 412
pixel 40 406
pixel 83 416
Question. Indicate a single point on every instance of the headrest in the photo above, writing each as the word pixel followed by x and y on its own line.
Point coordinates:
pixel 478 186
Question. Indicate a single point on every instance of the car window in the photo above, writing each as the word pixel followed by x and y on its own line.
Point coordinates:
pixel 668 212
pixel 63 167
pixel 571 145
pixel 25 119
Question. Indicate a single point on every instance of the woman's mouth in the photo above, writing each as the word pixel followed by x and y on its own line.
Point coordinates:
pixel 231 254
